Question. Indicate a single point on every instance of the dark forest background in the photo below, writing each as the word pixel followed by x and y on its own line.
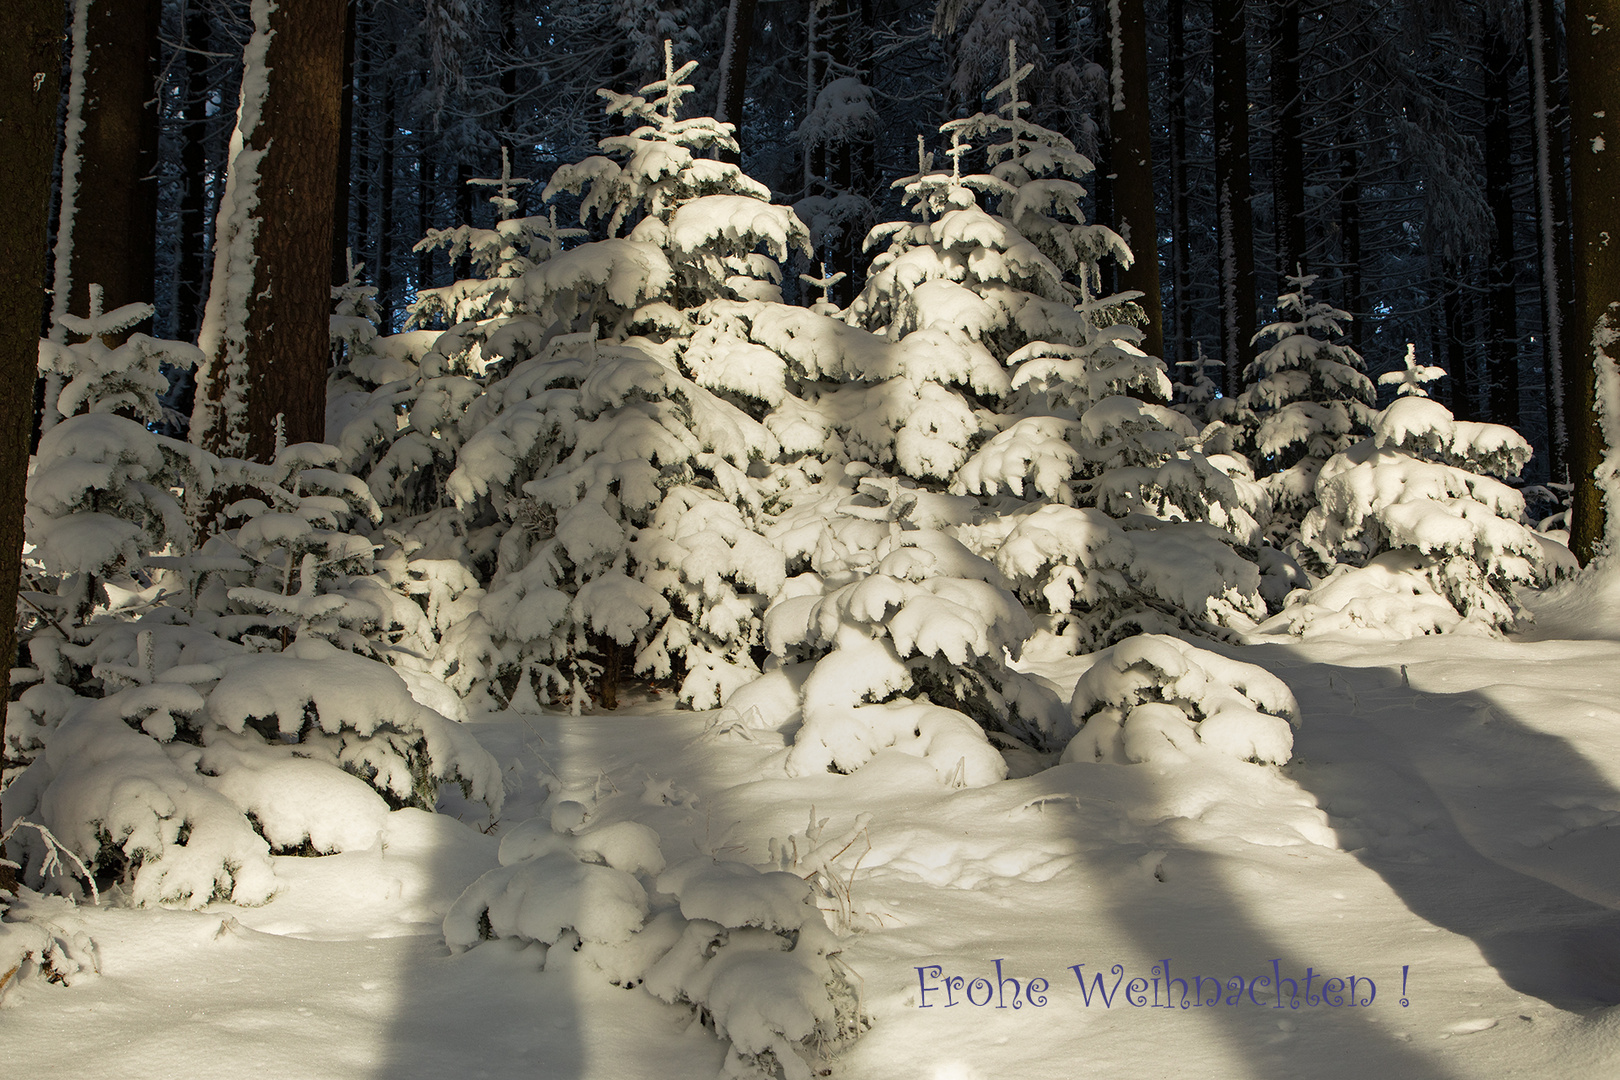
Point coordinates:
pixel 1410 153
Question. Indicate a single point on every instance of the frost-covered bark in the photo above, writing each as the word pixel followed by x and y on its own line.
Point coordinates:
pixel 67 207
pixel 1594 76
pixel 29 60
pixel 265 328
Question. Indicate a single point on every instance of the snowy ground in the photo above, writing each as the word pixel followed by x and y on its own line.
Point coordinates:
pixel 1447 830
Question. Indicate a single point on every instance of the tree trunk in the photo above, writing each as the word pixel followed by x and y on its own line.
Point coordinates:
pixel 424 212
pixel 265 336
pixel 360 163
pixel 386 299
pixel 117 232
pixel 1552 228
pixel 1235 226
pixel 1133 165
pixel 1463 406
pixel 508 81
pixel 342 188
pixel 1501 63
pixel 733 88
pixel 192 290
pixel 1181 240
pixel 1594 90
pixel 1350 236
pixel 1102 181
pixel 464 204
pixel 511 56
pixel 1288 142
pixel 30 57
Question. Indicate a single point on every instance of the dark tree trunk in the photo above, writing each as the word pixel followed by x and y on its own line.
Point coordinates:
pixel 464 204
pixel 285 343
pixel 733 88
pixel 1350 236
pixel 192 290
pixel 386 289
pixel 1102 182
pixel 1133 165
pixel 1234 220
pixel 1594 90
pixel 116 230
pixel 30 56
pixel 1501 62
pixel 345 152
pixel 510 45
pixel 360 162
pixel 1180 247
pixel 1288 142
pixel 424 213
pixel 851 164
pixel 1552 228
pixel 1439 339
pixel 1463 405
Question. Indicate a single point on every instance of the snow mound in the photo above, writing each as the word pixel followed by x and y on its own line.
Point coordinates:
pixel 626 846
pixel 1394 597
pixel 1154 697
pixel 119 800
pixel 540 898
pixel 735 894
pixel 844 739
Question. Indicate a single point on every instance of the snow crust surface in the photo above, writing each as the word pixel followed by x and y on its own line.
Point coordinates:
pixel 1437 797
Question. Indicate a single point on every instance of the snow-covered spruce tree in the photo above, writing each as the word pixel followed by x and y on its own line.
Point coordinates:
pixel 100 505
pixel 354 326
pixel 1073 428
pixel 876 412
pixel 893 635
pixel 398 404
pixel 1423 538
pixel 627 486
pixel 397 410
pixel 1195 393
pixel 201 708
pixel 1308 398
pixel 893 628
